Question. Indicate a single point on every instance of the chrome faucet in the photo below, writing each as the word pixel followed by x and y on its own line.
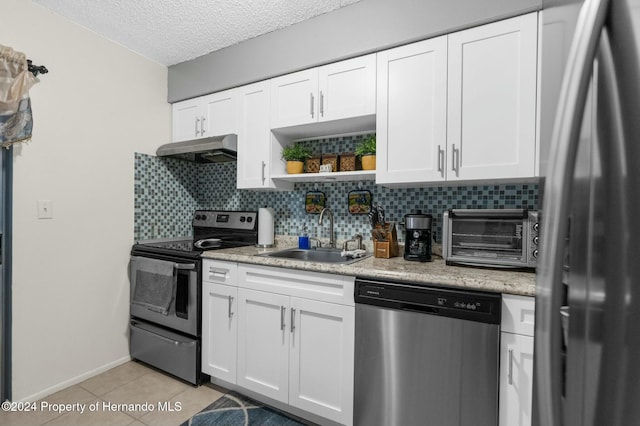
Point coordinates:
pixel 356 239
pixel 332 239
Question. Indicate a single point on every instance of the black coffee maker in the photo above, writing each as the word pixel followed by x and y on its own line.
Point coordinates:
pixel 417 245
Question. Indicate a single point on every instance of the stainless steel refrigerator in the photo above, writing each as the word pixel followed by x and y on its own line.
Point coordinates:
pixel 588 373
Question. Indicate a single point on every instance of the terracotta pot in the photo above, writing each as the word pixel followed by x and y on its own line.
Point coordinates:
pixel 294 167
pixel 368 162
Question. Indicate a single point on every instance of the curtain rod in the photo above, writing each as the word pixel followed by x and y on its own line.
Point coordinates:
pixel 36 69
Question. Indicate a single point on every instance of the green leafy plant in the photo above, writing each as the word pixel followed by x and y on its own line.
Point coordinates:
pixel 367 146
pixel 295 152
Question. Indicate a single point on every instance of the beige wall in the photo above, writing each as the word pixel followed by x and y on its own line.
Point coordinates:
pixel 98 105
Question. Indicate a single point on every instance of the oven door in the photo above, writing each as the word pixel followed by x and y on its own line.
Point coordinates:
pixel 491 237
pixel 156 281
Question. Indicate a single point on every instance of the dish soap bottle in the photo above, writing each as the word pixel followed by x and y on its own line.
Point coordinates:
pixel 303 239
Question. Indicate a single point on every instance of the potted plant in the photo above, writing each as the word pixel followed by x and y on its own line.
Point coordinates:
pixel 366 150
pixel 295 155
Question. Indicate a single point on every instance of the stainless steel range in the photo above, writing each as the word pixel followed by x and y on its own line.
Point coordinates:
pixel 166 287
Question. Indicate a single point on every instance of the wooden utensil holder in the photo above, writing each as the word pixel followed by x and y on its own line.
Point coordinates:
pixel 385 241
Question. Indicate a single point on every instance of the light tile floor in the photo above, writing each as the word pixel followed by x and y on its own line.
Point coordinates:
pixel 117 397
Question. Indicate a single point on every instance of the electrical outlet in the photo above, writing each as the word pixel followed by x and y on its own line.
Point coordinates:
pixel 45 209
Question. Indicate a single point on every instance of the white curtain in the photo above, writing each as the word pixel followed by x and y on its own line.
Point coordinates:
pixel 16 120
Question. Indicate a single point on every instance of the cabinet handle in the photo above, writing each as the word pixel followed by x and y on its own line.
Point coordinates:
pixel 441 160
pixel 263 166
pixel 321 104
pixel 293 319
pixel 455 157
pixel 311 103
pixel 230 303
pixel 510 373
pixel 202 126
pixel 197 127
pixel 283 310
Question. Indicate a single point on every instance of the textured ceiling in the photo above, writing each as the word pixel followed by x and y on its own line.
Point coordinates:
pixel 173 31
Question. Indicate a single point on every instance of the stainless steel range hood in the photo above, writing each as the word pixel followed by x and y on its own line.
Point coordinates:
pixel 216 149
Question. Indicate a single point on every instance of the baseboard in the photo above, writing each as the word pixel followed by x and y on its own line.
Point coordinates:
pixel 75 380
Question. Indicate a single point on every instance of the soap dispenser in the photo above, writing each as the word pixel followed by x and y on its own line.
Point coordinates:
pixel 303 239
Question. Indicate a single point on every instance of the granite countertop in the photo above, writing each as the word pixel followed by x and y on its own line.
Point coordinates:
pixel 436 272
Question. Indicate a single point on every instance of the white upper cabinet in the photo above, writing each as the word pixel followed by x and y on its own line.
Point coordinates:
pixel 205 116
pixel 294 99
pixel 254 136
pixel 340 90
pixel 460 106
pixel 347 88
pixel 186 120
pixel 491 116
pixel 411 122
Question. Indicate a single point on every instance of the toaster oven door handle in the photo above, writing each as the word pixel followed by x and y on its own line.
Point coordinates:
pixel 489 213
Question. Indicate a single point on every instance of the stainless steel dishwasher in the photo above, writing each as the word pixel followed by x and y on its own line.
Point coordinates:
pixel 425 355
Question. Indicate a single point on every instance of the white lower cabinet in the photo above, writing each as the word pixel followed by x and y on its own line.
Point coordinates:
pixel 516 360
pixel 219 319
pixel 294 341
pixel 263 343
pixel 219 331
pixel 321 358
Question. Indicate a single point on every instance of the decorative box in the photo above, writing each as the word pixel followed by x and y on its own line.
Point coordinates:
pixel 331 159
pixel 347 162
pixel 313 164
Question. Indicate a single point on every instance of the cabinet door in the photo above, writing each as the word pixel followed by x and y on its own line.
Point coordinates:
pixel 219 112
pixel 254 136
pixel 263 343
pixel 518 314
pixel 219 331
pixel 412 113
pixel 492 100
pixel 186 120
pixel 322 356
pixel 347 88
pixel 294 99
pixel 516 379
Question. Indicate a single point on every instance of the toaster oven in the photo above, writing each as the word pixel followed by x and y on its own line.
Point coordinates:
pixel 491 237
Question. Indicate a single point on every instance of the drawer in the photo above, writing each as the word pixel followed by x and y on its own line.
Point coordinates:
pixel 331 288
pixel 171 352
pixel 518 314
pixel 220 272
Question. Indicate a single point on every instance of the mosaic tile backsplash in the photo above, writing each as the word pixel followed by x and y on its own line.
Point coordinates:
pixel 167 191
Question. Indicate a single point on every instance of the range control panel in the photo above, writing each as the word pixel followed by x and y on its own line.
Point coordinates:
pixel 244 220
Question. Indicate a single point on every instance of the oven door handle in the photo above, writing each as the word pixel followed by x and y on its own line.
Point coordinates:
pixel 184 266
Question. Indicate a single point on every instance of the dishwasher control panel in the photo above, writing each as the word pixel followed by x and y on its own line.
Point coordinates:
pixel 464 304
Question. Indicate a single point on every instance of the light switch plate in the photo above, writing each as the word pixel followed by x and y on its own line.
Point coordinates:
pixel 45 209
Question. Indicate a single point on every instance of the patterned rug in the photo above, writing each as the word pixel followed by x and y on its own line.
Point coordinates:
pixel 234 409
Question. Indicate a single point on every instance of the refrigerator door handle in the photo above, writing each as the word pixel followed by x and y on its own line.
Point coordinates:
pixel 557 193
pixel 615 344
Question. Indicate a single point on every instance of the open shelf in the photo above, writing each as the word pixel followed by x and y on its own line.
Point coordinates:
pixel 328 177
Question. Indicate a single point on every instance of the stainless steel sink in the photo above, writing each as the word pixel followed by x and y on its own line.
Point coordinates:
pixel 313 255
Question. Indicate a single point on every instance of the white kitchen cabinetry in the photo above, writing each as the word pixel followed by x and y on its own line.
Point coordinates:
pixel 219 319
pixel 460 106
pixel 254 137
pixel 336 91
pixel 263 343
pixel 205 116
pixel 296 339
pixel 411 119
pixel 516 360
pixel 491 119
